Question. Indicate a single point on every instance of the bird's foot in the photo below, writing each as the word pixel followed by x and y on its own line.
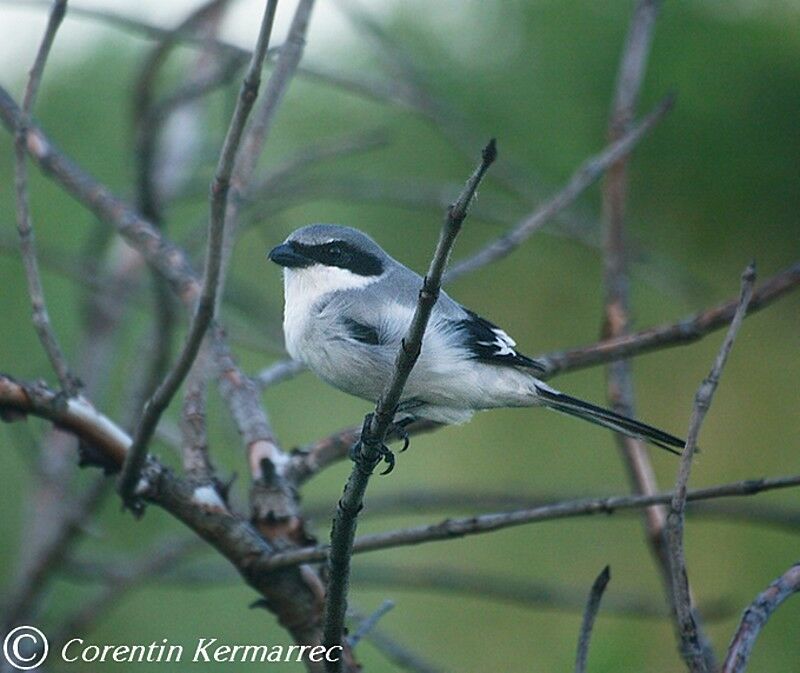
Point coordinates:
pixel 368 463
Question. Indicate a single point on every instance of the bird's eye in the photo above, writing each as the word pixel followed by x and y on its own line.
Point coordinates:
pixel 334 250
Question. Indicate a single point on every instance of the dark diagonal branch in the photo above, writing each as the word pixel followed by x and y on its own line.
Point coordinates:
pixel 41 317
pixel 694 648
pixel 204 313
pixel 755 618
pixel 586 174
pixel 589 615
pixel 370 448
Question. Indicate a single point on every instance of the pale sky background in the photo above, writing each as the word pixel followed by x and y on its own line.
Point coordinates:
pixel 22 22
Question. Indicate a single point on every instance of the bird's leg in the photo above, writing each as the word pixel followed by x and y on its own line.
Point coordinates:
pixel 384 454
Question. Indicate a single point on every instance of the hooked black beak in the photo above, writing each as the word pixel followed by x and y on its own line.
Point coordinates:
pixel 286 255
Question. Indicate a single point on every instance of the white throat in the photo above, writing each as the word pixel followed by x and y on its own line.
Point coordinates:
pixel 303 288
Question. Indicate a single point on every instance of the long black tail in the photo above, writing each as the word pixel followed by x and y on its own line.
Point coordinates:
pixel 609 419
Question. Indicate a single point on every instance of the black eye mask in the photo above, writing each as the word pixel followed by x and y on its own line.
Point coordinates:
pixel 340 254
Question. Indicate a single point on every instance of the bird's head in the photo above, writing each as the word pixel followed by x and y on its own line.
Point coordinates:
pixel 330 257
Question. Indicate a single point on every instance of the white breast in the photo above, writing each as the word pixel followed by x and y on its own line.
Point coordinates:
pixel 303 289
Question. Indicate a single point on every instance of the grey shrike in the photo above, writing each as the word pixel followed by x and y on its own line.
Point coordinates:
pixel 348 305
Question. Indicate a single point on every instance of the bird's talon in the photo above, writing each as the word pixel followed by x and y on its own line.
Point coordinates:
pixel 388 458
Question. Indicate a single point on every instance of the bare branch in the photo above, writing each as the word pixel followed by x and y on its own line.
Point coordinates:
pixel 532 594
pixel 206 304
pixel 687 330
pixel 173 264
pixel 291 52
pixel 370 448
pixel 278 372
pixel 620 390
pixel 589 615
pixel 148 120
pixel 369 623
pixel 399 654
pixel 693 648
pixel 313 458
pixel 293 596
pixel 485 523
pixel 755 618
pixel 194 441
pixel 420 501
pixel 586 174
pixel 41 317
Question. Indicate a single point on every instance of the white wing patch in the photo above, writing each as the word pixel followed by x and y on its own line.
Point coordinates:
pixel 503 343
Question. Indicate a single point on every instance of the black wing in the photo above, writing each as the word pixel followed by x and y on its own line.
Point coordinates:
pixel 488 343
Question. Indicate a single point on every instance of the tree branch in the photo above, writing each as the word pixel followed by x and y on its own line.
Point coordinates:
pixel 589 615
pixel 41 317
pixel 486 523
pixel 686 330
pixel 755 618
pixel 587 173
pixel 370 448
pixel 293 596
pixel 206 304
pixel 695 650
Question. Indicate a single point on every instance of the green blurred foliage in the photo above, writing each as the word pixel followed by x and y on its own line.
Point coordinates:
pixel 715 185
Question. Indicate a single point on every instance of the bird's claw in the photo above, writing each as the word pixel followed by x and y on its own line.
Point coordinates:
pixel 399 429
pixel 356 452
pixel 388 457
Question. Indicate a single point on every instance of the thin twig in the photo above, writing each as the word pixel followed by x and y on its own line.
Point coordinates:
pixel 616 319
pixel 315 457
pixel 206 304
pixel 684 331
pixel 334 149
pixel 422 501
pixel 291 52
pixel 587 173
pixel 369 623
pixel 589 615
pixel 486 523
pixel 755 618
pixel 41 317
pixel 693 648
pixel 278 372
pixel 147 127
pixel 370 447
pixel 400 654
pixel 486 585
